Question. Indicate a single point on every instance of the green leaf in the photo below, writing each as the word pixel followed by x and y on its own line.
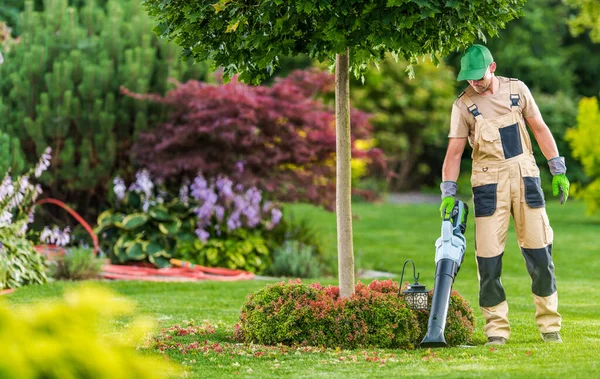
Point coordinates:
pixel 134 221
pixel 136 252
pixel 133 199
pixel 109 218
pixel 169 228
pixel 125 241
pixel 153 248
pixel 177 206
pixel 158 261
pixel 212 256
pixel 160 213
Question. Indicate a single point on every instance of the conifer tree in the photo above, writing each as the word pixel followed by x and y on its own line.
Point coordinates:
pixel 61 85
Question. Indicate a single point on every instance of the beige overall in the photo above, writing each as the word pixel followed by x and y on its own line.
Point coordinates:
pixel 506 181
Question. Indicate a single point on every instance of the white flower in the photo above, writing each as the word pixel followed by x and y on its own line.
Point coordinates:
pixel 16 200
pixel 46 235
pixel 6 188
pixel 5 218
pixel 119 188
pixel 23 184
pixel 56 236
pixel 44 162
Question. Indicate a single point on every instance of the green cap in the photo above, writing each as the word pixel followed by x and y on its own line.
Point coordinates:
pixel 474 62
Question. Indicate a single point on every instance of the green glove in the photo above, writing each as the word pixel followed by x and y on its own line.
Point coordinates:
pixel 561 184
pixel 447 206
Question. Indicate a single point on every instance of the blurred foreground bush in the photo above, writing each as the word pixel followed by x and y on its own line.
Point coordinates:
pixel 65 339
pixel 585 142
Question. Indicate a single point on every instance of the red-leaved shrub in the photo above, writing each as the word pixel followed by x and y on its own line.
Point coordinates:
pixel 295 313
pixel 279 138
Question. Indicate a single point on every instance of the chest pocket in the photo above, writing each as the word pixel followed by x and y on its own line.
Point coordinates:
pixel 499 138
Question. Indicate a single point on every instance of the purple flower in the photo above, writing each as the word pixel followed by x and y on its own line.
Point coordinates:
pixel 202 234
pixel 205 211
pixel 219 212
pixel 30 217
pixel 119 188
pixel 253 196
pixel 239 202
pixel 276 216
pixel 184 192
pixel 199 187
pixel 224 187
pixel 239 166
pixel 234 221
pixel 266 206
pixel 252 216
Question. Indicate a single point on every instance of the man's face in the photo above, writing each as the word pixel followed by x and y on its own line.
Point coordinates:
pixel 481 85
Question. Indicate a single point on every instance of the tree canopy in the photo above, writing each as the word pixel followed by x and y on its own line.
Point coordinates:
pixel 249 37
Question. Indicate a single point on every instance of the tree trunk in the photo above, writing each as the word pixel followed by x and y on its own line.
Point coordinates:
pixel 343 178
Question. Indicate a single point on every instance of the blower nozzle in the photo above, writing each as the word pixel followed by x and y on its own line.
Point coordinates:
pixel 450 252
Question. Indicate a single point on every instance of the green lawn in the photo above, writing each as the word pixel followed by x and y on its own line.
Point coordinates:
pixel 385 236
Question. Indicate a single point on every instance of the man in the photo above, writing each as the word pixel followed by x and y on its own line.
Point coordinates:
pixel 492 114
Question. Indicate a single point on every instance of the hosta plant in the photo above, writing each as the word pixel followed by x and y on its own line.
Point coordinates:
pixel 21 264
pixel 199 223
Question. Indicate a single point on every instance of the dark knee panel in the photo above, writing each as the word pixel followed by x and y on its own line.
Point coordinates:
pixel 541 269
pixel 491 292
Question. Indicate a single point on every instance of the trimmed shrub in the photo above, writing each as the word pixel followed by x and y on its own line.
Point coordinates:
pixel 64 339
pixel 295 313
pixel 460 322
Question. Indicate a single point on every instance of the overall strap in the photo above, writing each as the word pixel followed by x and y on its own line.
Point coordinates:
pixel 471 106
pixel 515 99
pixel 514 93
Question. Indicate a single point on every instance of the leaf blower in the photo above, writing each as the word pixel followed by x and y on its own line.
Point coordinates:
pixel 449 255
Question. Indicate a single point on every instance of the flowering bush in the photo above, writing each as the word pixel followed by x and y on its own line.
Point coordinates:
pixel 148 222
pixel 295 313
pixel 21 263
pixel 282 136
